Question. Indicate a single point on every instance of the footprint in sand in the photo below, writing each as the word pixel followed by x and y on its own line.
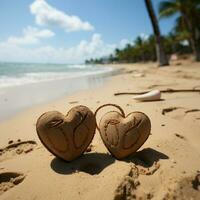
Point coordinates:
pixel 147 161
pixel 130 187
pixel 150 170
pixel 168 110
pixel 16 148
pixel 187 188
pixel 9 180
pixel 144 167
pixel 182 113
pixel 193 114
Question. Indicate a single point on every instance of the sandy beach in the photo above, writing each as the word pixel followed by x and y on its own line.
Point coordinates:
pixel 167 166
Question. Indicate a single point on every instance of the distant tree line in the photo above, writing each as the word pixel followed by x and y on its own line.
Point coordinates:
pixel 183 39
pixel 143 50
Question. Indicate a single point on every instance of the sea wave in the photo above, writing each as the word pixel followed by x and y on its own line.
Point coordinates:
pixel 36 77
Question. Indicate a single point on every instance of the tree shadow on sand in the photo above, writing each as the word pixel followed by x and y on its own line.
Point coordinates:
pixel 91 163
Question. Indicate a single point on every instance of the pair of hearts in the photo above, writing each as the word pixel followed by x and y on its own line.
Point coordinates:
pixel 67 137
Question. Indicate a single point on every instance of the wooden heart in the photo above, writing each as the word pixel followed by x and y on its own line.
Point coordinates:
pixel 67 137
pixel 124 135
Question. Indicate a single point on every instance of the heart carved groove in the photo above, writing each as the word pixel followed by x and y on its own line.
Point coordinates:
pixel 67 137
pixel 123 135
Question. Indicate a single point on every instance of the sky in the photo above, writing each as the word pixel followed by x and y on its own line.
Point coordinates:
pixel 70 31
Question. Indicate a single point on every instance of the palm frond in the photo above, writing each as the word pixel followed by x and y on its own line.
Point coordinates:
pixel 168 8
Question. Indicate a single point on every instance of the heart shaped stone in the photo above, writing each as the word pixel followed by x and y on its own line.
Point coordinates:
pixel 67 137
pixel 124 135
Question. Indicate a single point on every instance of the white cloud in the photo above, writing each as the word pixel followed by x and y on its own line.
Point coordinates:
pixel 123 43
pixel 50 16
pixel 31 35
pixel 25 40
pixel 144 36
pixel 93 48
pixel 44 33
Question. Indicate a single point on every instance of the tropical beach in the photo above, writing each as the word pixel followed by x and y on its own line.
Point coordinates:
pixel 122 124
pixel 166 164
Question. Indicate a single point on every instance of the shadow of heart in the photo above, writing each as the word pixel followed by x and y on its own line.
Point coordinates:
pixel 95 163
pixel 146 157
pixel 91 163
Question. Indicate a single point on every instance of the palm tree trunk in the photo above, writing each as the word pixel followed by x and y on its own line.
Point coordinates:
pixel 196 43
pixel 161 56
pixel 195 48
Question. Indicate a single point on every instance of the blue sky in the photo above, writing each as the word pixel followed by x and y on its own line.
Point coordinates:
pixel 71 31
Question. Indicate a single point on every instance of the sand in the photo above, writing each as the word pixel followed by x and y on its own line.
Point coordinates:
pixel 165 167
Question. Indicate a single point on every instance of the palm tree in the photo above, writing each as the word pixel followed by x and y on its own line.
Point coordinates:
pixel 161 56
pixel 189 16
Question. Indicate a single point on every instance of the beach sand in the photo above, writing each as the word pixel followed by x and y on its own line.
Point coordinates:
pixel 165 167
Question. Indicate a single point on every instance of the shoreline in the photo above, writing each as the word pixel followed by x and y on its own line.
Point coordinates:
pixel 168 159
pixel 20 97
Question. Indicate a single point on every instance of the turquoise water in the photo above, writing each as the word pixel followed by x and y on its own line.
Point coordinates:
pixel 12 74
pixel 25 85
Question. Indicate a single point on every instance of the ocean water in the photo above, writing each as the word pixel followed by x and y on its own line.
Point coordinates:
pixel 25 85
pixel 12 74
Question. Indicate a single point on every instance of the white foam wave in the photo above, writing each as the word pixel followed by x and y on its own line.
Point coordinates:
pixel 28 78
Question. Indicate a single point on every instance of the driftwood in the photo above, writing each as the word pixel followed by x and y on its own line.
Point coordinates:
pixel 169 90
